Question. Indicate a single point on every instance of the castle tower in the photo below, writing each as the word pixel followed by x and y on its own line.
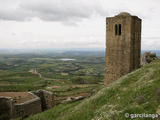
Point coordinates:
pixel 123 45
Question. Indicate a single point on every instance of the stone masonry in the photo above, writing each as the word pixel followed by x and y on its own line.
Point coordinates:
pixel 24 109
pixel 40 101
pixel 47 98
pixel 123 45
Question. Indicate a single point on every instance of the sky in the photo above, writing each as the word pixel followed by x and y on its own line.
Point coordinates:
pixel 63 24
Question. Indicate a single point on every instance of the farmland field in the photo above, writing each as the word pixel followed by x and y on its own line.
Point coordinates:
pixel 66 74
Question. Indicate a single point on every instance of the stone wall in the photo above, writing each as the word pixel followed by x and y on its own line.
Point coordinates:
pixel 147 58
pixel 11 110
pixel 47 98
pixel 27 108
pixel 6 107
pixel 123 46
pixel 42 100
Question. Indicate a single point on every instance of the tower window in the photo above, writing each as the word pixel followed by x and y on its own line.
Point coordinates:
pixel 119 33
pixel 116 29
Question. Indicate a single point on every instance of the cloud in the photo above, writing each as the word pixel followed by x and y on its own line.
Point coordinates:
pixel 50 10
pixel 35 23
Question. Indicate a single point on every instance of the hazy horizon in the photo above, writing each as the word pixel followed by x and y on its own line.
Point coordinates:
pixel 62 49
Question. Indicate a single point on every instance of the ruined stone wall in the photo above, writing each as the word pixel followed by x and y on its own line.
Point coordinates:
pixel 47 98
pixel 27 108
pixel 147 58
pixel 6 106
pixel 122 50
pixel 42 100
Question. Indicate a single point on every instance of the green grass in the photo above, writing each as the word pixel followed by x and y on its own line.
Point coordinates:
pixel 19 81
pixel 69 91
pixel 58 111
pixel 116 99
pixel 19 88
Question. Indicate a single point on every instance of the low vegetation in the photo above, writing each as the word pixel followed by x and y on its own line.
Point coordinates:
pixel 137 92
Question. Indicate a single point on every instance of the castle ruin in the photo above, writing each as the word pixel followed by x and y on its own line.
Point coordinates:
pixel 23 104
pixel 123 45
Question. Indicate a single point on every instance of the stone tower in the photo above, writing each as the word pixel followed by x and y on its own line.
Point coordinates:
pixel 123 45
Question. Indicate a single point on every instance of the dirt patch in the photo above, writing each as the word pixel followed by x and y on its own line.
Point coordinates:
pixel 4 84
pixel 18 97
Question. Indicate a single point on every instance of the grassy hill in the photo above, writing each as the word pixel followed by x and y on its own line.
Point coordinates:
pixel 137 92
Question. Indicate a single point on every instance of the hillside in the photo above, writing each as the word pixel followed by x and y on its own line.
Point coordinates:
pixel 137 92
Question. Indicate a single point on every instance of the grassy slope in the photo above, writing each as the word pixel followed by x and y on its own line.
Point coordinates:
pixel 112 102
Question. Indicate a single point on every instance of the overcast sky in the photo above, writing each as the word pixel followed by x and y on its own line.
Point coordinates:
pixel 35 24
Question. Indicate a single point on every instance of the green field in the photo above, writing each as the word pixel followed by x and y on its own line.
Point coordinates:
pixel 28 72
pixel 135 93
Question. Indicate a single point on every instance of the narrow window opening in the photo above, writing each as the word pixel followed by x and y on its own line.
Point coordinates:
pixel 120 31
pixel 116 29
